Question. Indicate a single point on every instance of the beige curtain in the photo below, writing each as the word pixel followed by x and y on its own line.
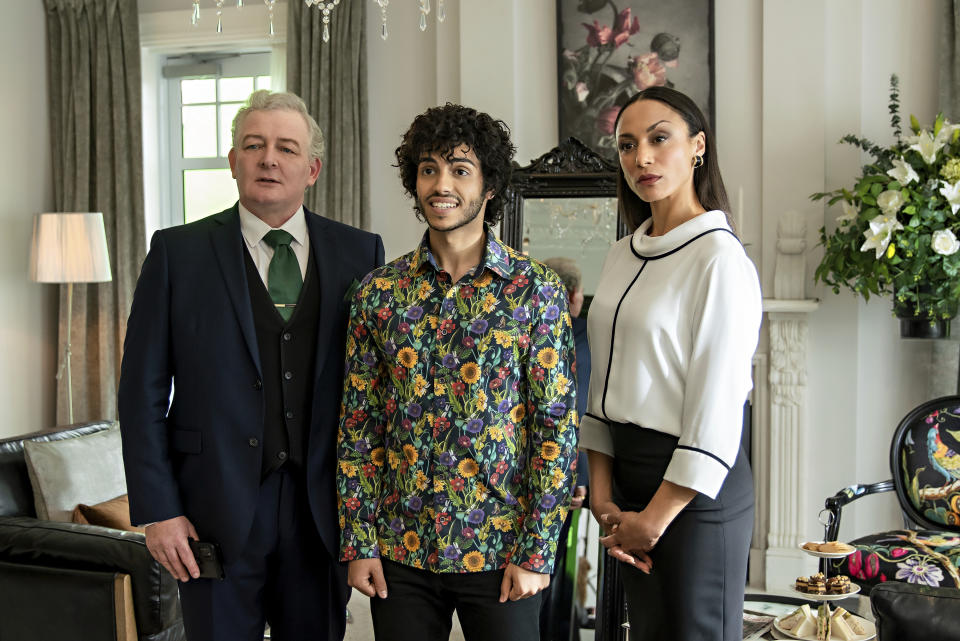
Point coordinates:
pixel 950 60
pixel 94 77
pixel 331 79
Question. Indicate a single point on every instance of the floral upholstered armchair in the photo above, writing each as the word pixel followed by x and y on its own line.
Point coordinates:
pixel 925 463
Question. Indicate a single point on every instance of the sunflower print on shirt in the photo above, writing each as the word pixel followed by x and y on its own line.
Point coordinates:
pixel 458 427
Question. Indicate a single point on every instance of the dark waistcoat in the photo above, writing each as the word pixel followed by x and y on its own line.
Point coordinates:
pixel 288 352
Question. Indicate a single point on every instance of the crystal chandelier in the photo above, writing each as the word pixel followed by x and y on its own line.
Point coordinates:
pixel 326 7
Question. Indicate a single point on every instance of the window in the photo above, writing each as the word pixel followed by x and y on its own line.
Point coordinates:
pixel 202 102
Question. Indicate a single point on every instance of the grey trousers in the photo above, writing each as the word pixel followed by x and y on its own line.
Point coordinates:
pixel 695 590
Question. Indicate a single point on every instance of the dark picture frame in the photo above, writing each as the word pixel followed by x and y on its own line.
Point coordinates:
pixel 610 49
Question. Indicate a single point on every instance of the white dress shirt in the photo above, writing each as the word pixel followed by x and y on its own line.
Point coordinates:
pixel 254 229
pixel 672 332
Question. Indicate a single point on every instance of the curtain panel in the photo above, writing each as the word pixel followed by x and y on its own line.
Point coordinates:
pixel 950 60
pixel 95 107
pixel 331 79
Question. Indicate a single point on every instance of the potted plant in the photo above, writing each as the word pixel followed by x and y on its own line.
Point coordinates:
pixel 898 230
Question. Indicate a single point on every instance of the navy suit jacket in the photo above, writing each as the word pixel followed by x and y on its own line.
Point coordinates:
pixel 191 330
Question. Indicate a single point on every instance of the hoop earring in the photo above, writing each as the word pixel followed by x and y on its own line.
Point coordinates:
pixel 697 161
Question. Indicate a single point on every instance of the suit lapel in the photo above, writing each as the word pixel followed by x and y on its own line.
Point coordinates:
pixel 326 259
pixel 228 247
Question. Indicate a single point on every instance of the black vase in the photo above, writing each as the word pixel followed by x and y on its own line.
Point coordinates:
pixel 922 327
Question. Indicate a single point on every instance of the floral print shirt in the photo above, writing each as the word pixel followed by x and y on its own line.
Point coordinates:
pixel 458 430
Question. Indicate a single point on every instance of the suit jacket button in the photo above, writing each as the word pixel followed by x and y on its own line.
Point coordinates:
pixel 254 442
pixel 287 336
pixel 288 375
pixel 282 455
pixel 258 384
pixel 288 414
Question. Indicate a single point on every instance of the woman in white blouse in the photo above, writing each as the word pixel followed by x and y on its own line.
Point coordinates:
pixel 672 330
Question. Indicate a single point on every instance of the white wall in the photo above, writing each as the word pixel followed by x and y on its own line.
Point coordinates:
pixel 497 56
pixel 863 378
pixel 27 309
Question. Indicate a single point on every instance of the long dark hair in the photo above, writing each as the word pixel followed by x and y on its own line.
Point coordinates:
pixel 707 182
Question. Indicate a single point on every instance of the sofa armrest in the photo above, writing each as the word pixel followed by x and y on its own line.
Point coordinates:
pixel 904 612
pixel 42 603
pixel 70 546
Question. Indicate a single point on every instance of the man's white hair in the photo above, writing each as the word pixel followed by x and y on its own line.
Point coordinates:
pixel 567 270
pixel 264 100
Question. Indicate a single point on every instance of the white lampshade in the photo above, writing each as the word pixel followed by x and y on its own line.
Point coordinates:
pixel 69 248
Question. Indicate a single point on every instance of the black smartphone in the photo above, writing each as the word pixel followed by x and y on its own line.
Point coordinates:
pixel 209 559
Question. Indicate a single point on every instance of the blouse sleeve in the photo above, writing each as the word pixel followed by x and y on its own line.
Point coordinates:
pixel 725 330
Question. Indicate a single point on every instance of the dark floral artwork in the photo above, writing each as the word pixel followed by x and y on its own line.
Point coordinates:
pixel 609 50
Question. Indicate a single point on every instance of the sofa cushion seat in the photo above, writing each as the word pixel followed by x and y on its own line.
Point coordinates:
pixel 72 546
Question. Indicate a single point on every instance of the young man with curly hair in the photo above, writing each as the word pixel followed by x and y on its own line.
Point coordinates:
pixel 459 420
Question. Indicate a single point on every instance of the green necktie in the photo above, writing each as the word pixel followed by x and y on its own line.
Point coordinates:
pixel 283 276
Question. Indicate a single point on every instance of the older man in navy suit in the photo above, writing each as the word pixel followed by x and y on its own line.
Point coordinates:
pixel 242 315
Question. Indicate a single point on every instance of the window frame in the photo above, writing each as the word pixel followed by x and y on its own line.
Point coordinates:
pixel 255 65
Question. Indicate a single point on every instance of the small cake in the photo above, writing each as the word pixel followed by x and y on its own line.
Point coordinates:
pixel 840 628
pixel 813 546
pixel 823 622
pixel 839 584
pixel 802 584
pixel 817 584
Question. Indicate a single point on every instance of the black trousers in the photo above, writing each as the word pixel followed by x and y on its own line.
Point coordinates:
pixel 556 608
pixel 285 578
pixel 420 605
pixel 695 590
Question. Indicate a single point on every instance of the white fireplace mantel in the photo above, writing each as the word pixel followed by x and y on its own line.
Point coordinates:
pixel 780 380
pixel 779 415
pixel 799 306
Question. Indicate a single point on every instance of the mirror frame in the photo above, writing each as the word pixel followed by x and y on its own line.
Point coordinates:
pixel 569 170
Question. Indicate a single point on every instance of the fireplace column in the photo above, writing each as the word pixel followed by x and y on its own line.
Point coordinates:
pixel 787 461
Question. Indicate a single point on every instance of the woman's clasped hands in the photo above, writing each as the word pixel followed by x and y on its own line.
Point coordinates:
pixel 631 536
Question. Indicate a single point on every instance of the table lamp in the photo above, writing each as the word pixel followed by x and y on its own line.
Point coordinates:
pixel 69 248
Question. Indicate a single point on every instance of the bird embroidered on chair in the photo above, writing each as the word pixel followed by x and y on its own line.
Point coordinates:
pixel 943 455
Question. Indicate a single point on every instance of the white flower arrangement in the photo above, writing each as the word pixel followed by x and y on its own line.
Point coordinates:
pixel 897 233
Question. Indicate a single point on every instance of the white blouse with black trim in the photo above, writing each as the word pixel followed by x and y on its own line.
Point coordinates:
pixel 672 329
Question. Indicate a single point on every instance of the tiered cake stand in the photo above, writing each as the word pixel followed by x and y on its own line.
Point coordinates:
pixel 825 569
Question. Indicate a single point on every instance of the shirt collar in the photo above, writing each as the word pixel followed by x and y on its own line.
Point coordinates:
pixel 496 256
pixel 254 229
pixel 651 246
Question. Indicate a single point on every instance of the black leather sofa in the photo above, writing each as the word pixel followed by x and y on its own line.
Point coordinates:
pixel 908 612
pixel 69 581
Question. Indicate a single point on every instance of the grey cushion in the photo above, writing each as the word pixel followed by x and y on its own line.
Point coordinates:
pixel 86 469
pixel 16 495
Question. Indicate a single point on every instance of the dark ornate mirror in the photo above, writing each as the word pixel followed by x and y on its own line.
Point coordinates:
pixel 564 203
